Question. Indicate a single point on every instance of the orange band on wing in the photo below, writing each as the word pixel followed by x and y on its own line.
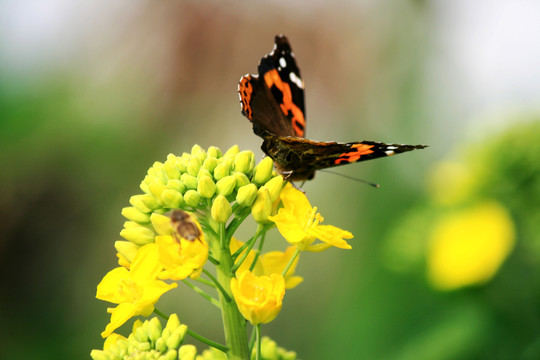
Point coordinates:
pixel 354 154
pixel 287 106
pixel 245 89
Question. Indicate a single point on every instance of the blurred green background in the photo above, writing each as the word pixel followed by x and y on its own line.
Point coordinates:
pixel 91 94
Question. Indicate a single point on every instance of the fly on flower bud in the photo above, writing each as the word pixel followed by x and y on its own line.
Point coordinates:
pixel 184 225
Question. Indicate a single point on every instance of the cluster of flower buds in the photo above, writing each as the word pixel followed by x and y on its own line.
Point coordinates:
pixel 203 181
pixel 148 340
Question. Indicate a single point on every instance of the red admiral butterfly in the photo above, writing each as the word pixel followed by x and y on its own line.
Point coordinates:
pixel 273 101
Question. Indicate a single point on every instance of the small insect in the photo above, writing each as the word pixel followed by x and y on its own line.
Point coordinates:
pixel 184 225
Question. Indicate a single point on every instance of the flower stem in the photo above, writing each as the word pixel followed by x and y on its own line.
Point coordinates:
pixel 291 261
pixel 202 293
pixel 233 322
pixel 258 343
pixel 207 341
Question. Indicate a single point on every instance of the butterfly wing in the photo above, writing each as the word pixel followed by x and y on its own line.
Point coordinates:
pixel 298 158
pixel 273 100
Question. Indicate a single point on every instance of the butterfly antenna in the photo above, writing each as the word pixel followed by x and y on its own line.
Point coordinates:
pixel 351 178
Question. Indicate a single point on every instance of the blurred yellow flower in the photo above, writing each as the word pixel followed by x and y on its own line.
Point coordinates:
pixel 298 222
pixel 181 258
pixel 259 298
pixel 135 290
pixel 469 246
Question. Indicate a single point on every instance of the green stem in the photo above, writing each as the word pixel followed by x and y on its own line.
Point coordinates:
pixel 247 247
pixel 207 341
pixel 233 322
pixel 258 333
pixel 202 293
pixel 261 244
pixel 291 261
pixel 218 285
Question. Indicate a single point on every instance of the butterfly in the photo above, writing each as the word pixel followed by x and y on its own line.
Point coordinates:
pixel 273 101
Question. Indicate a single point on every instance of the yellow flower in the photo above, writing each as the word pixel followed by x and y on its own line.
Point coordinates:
pixel 274 262
pixel 135 290
pixel 299 223
pixel 181 259
pixel 468 247
pixel 259 298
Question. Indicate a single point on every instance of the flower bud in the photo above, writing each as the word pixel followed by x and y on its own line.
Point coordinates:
pixel 274 186
pixel 197 151
pixel 187 352
pixel 206 187
pixel 213 152
pixel 133 214
pixel 263 171
pixel 210 163
pixel 172 323
pixel 232 151
pixel 244 162
pixel 172 198
pixel 221 170
pixel 162 224
pixel 189 181
pixel 226 185
pixel 137 202
pixel 262 207
pixel 171 170
pixel 193 166
pixel 138 235
pixel 221 209
pixel 170 355
pixel 192 198
pixel 246 195
pixel 149 201
pixel 177 185
pixel 127 249
pixel 156 188
pixel 175 339
pixel 241 179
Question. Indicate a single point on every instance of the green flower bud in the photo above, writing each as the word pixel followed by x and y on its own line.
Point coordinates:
pixel 197 151
pixel 204 172
pixel 232 151
pixel 172 323
pixel 162 224
pixel 268 348
pixel 210 163
pixel 189 181
pixel 246 195
pixel 137 202
pixel 172 198
pixel 192 198
pixel 175 339
pixel 274 186
pixel 221 170
pixel 127 249
pixel 263 171
pixel 161 345
pixel 241 179
pixel 262 207
pixel 138 235
pixel 206 187
pixel 170 355
pixel 133 214
pixel 226 185
pixel 140 334
pixel 221 209
pixel 213 152
pixel 182 164
pixel 172 171
pixel 144 186
pixel 154 329
pixel 187 352
pixel 193 166
pixel 156 188
pixel 177 185
pixel 157 170
pixel 244 162
pixel 149 201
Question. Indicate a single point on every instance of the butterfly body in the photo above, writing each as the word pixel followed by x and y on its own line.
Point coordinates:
pixel 273 101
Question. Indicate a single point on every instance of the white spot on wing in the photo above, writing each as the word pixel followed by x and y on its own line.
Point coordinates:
pixel 391 147
pixel 296 80
pixel 389 152
pixel 282 62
